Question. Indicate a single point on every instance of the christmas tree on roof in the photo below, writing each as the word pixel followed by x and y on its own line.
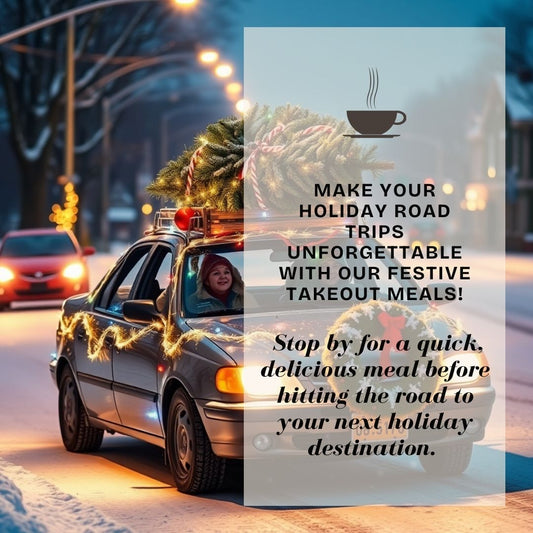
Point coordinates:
pixel 278 152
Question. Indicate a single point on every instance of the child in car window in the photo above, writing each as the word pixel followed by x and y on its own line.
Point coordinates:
pixel 219 286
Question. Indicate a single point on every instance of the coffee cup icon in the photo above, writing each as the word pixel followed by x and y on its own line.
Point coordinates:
pixel 371 122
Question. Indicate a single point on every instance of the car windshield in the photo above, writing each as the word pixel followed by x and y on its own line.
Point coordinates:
pixel 38 245
pixel 274 282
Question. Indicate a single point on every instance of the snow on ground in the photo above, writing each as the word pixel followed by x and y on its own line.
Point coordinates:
pixel 30 504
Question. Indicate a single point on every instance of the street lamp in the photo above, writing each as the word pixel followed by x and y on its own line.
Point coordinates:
pixel 224 70
pixel 243 106
pixel 207 57
pixel 233 89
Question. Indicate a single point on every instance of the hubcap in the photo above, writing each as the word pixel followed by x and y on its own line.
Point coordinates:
pixel 184 439
pixel 70 417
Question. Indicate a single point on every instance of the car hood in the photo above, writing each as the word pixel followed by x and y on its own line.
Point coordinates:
pixel 261 330
pixel 228 332
pixel 225 332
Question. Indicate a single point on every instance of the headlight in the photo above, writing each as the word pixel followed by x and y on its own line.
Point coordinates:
pixel 464 367
pixel 74 271
pixel 6 275
pixel 240 380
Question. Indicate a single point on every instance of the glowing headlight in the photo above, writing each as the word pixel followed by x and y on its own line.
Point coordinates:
pixel 466 367
pixel 6 275
pixel 238 380
pixel 74 271
pixel 256 385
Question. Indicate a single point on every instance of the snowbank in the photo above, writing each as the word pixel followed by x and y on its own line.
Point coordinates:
pixel 29 504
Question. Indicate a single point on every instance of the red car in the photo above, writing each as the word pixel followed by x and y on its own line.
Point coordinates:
pixel 41 264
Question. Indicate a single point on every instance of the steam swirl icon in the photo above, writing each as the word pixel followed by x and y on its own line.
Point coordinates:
pixel 372 122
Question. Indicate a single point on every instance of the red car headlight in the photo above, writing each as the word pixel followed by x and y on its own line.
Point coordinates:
pixel 74 271
pixel 6 274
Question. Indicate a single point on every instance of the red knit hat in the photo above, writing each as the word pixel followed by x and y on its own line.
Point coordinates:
pixel 211 261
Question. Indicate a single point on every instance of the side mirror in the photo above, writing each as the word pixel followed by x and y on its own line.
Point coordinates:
pixel 88 250
pixel 140 311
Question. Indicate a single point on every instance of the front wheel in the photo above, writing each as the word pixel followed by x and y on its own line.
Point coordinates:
pixel 77 433
pixel 449 460
pixel 193 464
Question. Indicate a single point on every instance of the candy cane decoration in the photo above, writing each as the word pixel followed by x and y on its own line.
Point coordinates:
pixel 266 147
pixel 190 169
pixel 314 129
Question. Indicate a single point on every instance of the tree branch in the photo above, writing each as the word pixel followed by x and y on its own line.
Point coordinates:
pixel 91 73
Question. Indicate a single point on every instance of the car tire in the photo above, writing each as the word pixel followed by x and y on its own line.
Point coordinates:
pixel 194 466
pixel 449 460
pixel 77 433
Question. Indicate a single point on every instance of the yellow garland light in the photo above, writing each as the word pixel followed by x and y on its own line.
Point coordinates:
pixel 172 341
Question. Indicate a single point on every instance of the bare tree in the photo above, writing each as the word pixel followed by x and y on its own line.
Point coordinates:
pixel 32 73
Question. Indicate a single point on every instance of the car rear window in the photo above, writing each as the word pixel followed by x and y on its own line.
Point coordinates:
pixel 38 245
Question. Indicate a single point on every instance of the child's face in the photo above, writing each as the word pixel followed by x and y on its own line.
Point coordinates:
pixel 219 279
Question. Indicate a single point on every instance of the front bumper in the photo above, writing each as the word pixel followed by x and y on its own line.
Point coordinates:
pixel 249 429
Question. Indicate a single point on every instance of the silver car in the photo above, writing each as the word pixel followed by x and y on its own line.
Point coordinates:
pixel 138 356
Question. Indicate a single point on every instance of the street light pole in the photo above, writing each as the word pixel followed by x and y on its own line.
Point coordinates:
pixel 69 101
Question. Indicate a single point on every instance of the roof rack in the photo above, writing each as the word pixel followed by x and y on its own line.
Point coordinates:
pixel 209 222
pixel 164 218
pixel 204 220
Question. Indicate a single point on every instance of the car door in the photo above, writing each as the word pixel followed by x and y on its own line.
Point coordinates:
pixel 136 366
pixel 95 348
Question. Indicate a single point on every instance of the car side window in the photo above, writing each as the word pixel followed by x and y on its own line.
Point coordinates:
pixel 164 274
pixel 121 286
pixel 157 274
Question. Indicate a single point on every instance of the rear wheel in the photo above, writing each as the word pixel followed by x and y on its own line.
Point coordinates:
pixel 449 460
pixel 193 464
pixel 77 433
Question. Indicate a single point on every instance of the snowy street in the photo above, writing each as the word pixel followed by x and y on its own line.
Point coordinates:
pixel 127 485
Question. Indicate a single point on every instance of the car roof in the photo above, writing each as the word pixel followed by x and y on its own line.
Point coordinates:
pixel 191 239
